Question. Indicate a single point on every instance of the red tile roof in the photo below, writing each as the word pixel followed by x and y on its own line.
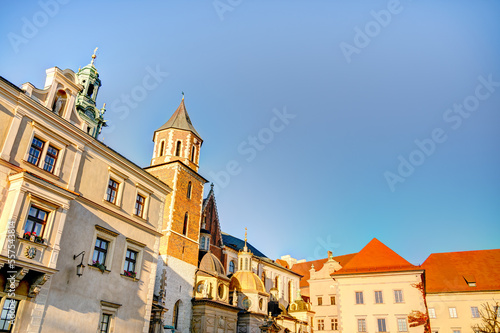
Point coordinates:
pixel 451 272
pixel 376 257
pixel 282 263
pixel 304 267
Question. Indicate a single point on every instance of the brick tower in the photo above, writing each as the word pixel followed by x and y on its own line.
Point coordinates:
pixel 175 161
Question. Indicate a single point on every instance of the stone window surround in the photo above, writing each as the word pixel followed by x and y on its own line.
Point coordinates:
pixel 109 309
pixel 137 247
pixel 107 235
pixel 120 178
pixel 146 193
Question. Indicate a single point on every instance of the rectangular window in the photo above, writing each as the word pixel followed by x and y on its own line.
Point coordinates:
pixel 112 191
pixel 432 313
pixel 475 311
pixel 35 151
pixel 35 224
pixel 139 205
pixel 130 263
pixel 456 331
pixel 398 296
pixel 321 324
pixel 8 314
pixel 335 324
pixel 106 318
pixel 100 251
pixel 361 325
pixel 381 325
pixel 50 159
pixel 332 300
pixel 402 326
pixel 453 312
pixel 320 300
pixel 359 297
pixel 378 297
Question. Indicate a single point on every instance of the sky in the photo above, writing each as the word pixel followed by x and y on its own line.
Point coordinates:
pixel 325 123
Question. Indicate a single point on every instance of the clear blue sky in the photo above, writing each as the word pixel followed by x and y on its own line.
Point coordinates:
pixel 362 81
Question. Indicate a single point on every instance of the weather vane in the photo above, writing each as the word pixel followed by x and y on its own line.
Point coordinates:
pixel 183 95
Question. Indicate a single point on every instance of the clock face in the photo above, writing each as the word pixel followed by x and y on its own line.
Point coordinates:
pixel 247 303
pixel 30 252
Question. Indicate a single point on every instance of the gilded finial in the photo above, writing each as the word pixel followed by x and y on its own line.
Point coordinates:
pixel 245 237
pixel 183 95
pixel 93 56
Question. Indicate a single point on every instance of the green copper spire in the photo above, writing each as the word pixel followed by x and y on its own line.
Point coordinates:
pixel 88 77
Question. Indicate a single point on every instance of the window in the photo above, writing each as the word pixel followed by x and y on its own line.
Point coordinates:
pixel 453 312
pixel 320 300
pixel 378 297
pixel 130 263
pixel 178 149
pixel 402 326
pixel 112 191
pixel 162 148
pixel 321 324
pixel 432 313
pixel 35 224
pixel 359 297
pixel 139 205
pixel 475 311
pixel 8 314
pixel 398 296
pixel 105 319
pixel 335 324
pixel 231 267
pixel 189 190
pixel 381 325
pixel 50 159
pixel 361 325
pixel 90 90
pixel 175 315
pixel 193 152
pixel 332 300
pixel 100 252
pixel 35 151
pixel 456 331
pixel 185 226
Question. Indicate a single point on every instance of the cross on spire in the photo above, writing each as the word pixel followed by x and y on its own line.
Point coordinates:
pixel 94 56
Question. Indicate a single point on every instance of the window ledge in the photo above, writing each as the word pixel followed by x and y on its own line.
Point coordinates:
pixel 37 168
pixel 111 204
pixel 107 271
pixel 142 219
pixel 22 239
pixel 130 278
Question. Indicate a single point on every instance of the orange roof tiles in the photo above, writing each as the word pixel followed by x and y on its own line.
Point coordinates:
pixel 453 271
pixel 282 263
pixel 376 257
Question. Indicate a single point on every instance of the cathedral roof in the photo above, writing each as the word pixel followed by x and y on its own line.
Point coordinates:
pixel 238 244
pixel 304 267
pixel 212 265
pixel 180 120
pixel 375 257
pixel 246 281
pixel 462 271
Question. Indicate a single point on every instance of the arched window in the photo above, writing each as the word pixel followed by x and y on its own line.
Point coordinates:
pixel 246 264
pixel 175 315
pixel 178 149
pixel 185 226
pixel 189 190
pixel 90 90
pixel 193 151
pixel 162 148
pixel 202 243
pixel 231 267
pixel 59 102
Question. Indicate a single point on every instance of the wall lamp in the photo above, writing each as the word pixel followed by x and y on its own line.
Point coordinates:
pixel 80 266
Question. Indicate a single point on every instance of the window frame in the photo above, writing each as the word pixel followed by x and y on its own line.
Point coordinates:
pixel 49 141
pixel 109 236
pixel 178 148
pixel 233 266
pixel 432 313
pixel 360 299
pixel 361 324
pixel 108 309
pixel 475 312
pixel 398 296
pixel 334 324
pixel 379 298
pixel 120 179
pixel 7 319
pixel 452 312
pixel 321 324
pixel 139 249
pixel 320 300
pixel 382 321
pixel 405 328
pixel 333 300
pixel 41 204
pixel 189 191
pixel 146 194
pixel 185 225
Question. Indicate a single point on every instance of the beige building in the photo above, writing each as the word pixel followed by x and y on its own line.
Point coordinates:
pixel 458 284
pixel 68 200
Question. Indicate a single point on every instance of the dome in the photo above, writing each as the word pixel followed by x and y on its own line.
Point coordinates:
pixel 246 281
pixel 212 265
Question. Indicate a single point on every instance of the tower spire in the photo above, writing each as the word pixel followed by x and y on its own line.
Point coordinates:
pixel 94 56
pixel 245 248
